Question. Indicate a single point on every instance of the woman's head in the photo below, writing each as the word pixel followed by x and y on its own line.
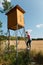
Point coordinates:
pixel 27 33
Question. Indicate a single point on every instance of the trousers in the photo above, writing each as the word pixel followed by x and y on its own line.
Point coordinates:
pixel 28 43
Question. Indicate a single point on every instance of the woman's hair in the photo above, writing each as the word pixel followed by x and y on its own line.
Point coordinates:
pixel 26 32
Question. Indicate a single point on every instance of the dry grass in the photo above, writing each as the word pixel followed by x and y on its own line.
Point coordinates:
pixel 36 45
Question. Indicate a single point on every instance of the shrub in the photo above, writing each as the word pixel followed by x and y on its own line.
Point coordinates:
pixel 39 58
pixel 25 57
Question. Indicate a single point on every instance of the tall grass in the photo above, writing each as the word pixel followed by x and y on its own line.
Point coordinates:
pixel 25 57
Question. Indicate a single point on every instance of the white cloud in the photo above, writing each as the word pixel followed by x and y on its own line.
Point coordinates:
pixel 1 3
pixel 39 25
pixel 9 0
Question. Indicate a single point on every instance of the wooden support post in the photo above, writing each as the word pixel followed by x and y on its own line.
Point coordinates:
pixel 24 35
pixel 8 39
pixel 17 46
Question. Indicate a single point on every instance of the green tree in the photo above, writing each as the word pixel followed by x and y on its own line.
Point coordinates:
pixel 6 6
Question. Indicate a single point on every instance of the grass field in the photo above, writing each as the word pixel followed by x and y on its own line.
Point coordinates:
pixel 36 45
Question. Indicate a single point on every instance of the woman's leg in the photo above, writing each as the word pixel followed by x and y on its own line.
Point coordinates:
pixel 30 43
pixel 27 43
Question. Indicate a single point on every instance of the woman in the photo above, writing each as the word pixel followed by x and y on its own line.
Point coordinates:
pixel 28 39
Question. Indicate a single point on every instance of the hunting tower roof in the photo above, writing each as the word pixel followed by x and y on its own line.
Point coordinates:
pixel 14 8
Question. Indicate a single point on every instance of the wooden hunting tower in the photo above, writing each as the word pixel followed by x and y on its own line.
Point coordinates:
pixel 15 17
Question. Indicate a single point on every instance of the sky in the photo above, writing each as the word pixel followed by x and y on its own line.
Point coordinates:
pixel 33 16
